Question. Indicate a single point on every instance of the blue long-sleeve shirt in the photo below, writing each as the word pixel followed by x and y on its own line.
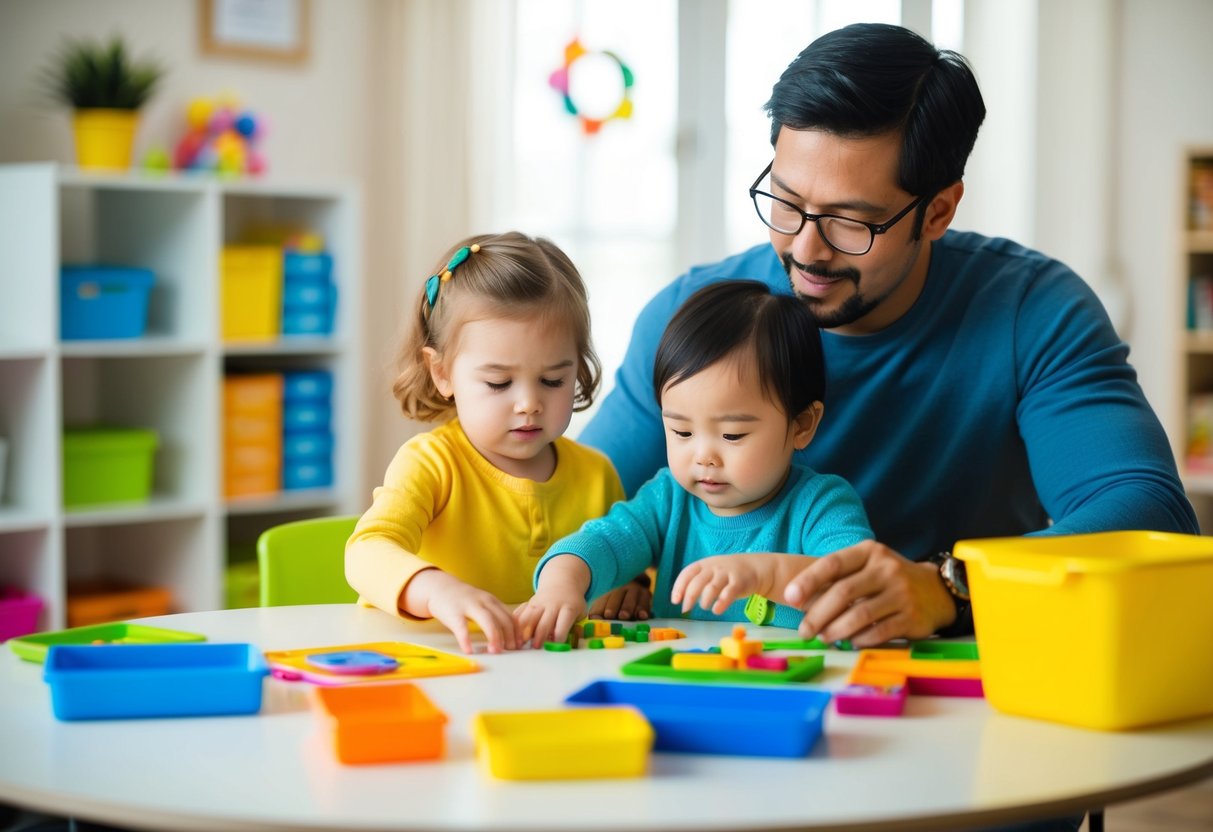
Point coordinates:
pixel 666 527
pixel 1001 400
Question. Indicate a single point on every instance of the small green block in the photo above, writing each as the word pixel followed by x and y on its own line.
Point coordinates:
pixel 587 629
pixel 557 646
pixel 759 611
pixel 615 628
pixel 843 645
pixel 642 636
pixel 595 644
pixel 642 628
pixel 628 634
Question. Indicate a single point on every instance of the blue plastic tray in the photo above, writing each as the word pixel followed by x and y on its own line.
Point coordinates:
pixel 124 681
pixel 717 719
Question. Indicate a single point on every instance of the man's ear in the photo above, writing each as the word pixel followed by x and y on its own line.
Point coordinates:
pixel 941 210
pixel 438 372
pixel 804 426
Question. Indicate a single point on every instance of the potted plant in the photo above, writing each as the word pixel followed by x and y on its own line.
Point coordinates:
pixel 105 88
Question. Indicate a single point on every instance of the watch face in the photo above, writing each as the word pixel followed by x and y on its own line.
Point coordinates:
pixel 952 570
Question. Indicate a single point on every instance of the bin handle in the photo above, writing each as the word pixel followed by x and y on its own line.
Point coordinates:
pixel 1053 575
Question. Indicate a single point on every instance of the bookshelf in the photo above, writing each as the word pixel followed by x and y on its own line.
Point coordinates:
pixel 170 380
pixel 1196 360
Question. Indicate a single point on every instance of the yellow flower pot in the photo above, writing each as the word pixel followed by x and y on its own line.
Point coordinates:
pixel 105 138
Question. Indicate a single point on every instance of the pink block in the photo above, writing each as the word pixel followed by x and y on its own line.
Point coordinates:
pixel 871 700
pixel 766 662
pixel 940 686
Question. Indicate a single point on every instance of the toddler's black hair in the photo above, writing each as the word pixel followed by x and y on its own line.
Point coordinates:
pixel 724 317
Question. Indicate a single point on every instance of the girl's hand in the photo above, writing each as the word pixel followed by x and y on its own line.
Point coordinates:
pixel 549 615
pixel 452 602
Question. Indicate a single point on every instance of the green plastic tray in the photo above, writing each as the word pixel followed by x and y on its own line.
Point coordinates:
pixel 658 664
pixel 34 647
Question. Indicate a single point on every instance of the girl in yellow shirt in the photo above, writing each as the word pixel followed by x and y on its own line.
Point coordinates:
pixel 499 354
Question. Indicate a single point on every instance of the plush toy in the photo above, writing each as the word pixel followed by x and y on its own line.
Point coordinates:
pixel 220 138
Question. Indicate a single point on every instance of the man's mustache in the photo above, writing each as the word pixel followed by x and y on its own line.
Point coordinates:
pixel 850 274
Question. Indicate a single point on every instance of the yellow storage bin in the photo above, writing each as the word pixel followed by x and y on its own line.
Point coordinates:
pixel 251 292
pixel 564 744
pixel 1107 631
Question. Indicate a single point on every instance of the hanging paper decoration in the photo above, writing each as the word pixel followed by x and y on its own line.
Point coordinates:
pixel 617 108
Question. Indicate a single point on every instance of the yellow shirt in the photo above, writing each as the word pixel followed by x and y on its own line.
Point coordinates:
pixel 445 502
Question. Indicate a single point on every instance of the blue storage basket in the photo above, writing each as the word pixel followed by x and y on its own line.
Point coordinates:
pixel 307 416
pixel 309 297
pixel 307 446
pixel 308 473
pixel 101 302
pixel 299 266
pixel 305 385
pixel 310 322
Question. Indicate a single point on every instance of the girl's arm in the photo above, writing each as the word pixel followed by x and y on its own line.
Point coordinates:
pixel 559 600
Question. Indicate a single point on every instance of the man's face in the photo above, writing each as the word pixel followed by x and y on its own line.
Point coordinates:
pixel 823 173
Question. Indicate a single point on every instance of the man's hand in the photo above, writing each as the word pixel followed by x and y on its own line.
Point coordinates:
pixel 869 594
pixel 633 600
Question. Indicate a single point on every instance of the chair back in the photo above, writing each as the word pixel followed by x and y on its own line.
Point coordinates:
pixel 303 562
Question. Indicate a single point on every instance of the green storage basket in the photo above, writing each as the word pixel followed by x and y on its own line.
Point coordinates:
pixel 107 465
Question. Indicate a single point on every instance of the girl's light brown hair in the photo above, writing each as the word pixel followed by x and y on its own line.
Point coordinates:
pixel 511 276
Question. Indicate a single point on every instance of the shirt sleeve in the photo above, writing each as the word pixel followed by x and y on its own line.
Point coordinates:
pixel 620 545
pixel 380 556
pixel 1079 400
pixel 627 426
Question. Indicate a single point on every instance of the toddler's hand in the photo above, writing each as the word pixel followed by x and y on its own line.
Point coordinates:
pixel 720 580
pixel 454 602
pixel 549 616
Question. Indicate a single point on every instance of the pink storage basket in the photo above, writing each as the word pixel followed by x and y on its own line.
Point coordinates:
pixel 18 612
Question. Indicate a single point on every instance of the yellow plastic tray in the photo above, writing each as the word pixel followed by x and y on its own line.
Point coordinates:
pixel 1086 629
pixel 564 744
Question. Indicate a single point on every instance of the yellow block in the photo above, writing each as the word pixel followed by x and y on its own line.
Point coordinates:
pixel 702 661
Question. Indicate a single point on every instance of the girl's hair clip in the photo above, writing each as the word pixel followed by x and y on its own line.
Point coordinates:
pixel 435 281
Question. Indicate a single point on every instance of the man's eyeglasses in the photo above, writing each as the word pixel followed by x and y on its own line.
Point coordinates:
pixel 843 234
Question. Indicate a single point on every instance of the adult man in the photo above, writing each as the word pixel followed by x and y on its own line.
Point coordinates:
pixel 974 387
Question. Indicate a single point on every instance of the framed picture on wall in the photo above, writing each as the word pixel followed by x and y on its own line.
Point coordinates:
pixel 277 30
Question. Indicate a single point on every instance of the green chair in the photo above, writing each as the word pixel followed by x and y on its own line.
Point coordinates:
pixel 304 562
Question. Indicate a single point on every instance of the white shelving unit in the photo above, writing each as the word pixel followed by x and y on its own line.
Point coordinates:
pixel 170 380
pixel 1196 344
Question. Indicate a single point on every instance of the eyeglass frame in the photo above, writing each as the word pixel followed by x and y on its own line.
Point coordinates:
pixel 873 228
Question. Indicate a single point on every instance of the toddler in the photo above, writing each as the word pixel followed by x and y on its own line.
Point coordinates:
pixel 499 354
pixel 740 379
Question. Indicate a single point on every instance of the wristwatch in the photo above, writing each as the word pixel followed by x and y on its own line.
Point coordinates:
pixel 955 579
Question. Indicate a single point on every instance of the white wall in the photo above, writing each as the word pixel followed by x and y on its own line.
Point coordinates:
pixel 1166 103
pixel 317 111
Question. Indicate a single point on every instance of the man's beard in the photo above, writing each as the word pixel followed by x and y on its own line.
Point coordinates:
pixel 851 310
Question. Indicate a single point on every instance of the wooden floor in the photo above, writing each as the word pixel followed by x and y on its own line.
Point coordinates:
pixel 1183 810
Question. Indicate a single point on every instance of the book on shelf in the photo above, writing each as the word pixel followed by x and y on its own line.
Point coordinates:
pixel 1198 455
pixel 1200 303
pixel 1200 177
